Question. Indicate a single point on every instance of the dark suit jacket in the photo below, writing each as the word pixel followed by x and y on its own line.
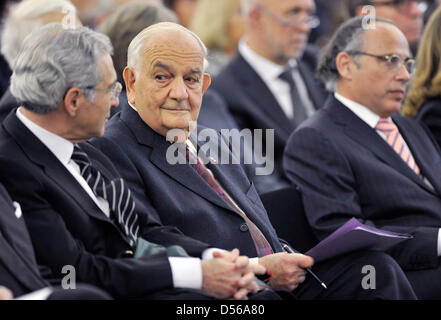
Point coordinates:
pixel 182 198
pixel 255 107
pixel 345 169
pixel 66 226
pixel 18 268
pixel 430 115
pixel 7 103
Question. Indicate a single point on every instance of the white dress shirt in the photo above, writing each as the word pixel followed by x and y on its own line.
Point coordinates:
pixel 269 72
pixel 371 119
pixel 186 271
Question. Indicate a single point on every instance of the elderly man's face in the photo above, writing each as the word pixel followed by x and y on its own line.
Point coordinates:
pixel 281 41
pixel 407 16
pixel 167 90
pixel 387 87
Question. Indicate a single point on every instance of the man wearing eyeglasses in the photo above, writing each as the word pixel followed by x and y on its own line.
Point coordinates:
pixel 357 157
pixel 408 15
pixel 270 84
pixel 79 212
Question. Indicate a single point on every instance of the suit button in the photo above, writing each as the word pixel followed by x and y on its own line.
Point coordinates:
pixel 128 254
pixel 243 227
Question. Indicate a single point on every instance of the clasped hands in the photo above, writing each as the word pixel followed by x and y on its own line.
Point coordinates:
pixel 231 276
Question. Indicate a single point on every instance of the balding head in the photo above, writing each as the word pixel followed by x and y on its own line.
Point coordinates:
pixel 161 34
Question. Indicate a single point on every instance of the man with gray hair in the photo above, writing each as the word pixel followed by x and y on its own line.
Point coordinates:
pixel 81 215
pixel 357 157
pixel 23 19
pixel 269 83
pixel 205 197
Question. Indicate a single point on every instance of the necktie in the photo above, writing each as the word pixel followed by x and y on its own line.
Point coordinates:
pixel 396 141
pixel 263 248
pixel 297 103
pixel 121 203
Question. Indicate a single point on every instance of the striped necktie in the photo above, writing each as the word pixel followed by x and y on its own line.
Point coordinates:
pixel 396 141
pixel 262 245
pixel 115 192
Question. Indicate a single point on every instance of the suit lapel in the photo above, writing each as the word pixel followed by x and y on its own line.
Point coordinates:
pixel 182 173
pixel 419 151
pixel 263 99
pixel 357 130
pixel 15 263
pixel 16 248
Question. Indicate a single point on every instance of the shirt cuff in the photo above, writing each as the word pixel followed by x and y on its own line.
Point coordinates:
pixel 207 254
pixel 41 294
pixel 186 272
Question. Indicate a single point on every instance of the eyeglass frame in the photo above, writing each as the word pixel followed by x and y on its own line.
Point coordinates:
pixel 387 58
pixel 398 3
pixel 115 89
pixel 313 21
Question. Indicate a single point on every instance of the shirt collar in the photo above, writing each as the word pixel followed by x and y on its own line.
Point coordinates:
pixel 59 146
pixel 361 111
pixel 265 68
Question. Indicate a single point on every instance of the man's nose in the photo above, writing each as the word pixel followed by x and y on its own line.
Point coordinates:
pixel 403 74
pixel 178 90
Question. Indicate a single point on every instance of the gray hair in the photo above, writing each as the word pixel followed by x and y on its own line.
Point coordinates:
pixel 23 19
pixel 53 60
pixel 348 37
pixel 135 47
pixel 130 19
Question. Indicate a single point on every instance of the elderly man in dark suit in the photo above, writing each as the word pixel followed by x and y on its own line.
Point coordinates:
pixel 204 196
pixel 357 157
pixel 270 82
pixel 78 210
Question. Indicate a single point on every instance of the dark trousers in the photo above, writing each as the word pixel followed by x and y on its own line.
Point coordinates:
pixel 344 278
pixel 426 283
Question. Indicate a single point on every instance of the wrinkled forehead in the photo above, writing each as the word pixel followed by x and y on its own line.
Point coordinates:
pixel 386 38
pixel 174 46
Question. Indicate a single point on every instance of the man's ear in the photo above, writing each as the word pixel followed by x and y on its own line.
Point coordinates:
pixel 359 11
pixel 206 83
pixel 345 65
pixel 130 79
pixel 71 101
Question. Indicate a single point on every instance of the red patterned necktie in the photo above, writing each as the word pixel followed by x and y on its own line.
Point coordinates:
pixel 263 248
pixel 396 141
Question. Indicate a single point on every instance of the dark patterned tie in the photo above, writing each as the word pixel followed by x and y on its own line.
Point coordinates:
pixel 121 203
pixel 298 106
pixel 263 248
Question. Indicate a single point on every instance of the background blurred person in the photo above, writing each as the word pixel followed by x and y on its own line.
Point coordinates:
pixel 220 26
pixel 270 82
pixel 424 97
pixel 22 20
pixel 184 9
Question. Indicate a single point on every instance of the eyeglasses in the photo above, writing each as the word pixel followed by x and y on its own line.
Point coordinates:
pixel 294 20
pixel 114 90
pixel 393 61
pixel 403 5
